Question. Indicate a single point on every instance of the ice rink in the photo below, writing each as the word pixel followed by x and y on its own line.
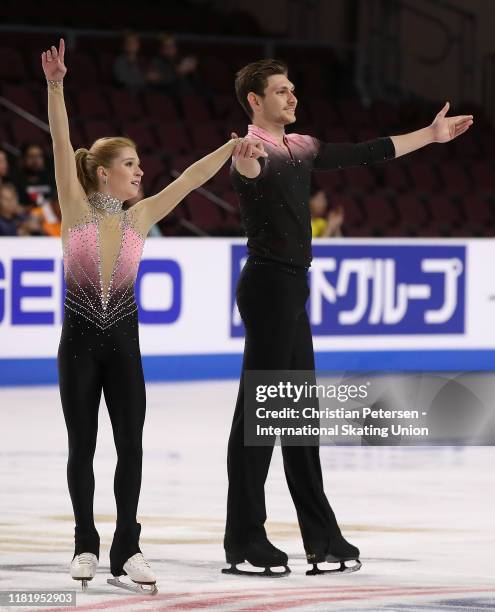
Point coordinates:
pixel 421 517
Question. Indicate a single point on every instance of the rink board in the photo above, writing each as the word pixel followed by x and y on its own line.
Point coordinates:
pixel 375 304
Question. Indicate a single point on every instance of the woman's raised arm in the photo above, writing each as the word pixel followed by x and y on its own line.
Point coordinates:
pixel 68 186
pixel 152 209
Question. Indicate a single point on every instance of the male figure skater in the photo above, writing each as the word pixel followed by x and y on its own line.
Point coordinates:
pixel 272 292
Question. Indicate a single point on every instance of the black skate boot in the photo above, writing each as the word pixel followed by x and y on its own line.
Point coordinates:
pixel 260 553
pixel 339 550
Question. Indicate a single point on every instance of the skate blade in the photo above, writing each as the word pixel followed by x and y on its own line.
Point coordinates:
pixel 343 569
pixel 136 587
pixel 266 573
pixel 84 582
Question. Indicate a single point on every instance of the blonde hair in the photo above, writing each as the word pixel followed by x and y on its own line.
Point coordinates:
pixel 101 153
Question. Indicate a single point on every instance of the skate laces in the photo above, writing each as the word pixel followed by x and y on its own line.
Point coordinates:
pixel 85 558
pixel 138 559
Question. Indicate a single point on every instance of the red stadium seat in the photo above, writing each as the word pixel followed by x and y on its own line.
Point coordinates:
pixel 477 211
pixel 92 103
pixel 125 105
pixel 22 96
pixel 434 153
pixel 23 131
pixel 338 134
pixel 172 137
pixel 379 211
pixel 424 178
pixel 354 114
pixel 385 114
pixel 361 178
pixel 194 109
pixel 322 111
pixel 412 212
pixel 181 162
pixel 329 181
pixel 444 213
pixel 84 69
pixel 96 128
pixel 77 137
pixel 483 173
pixel 467 145
pixel 455 179
pixel 206 136
pixel 395 176
pixel 204 213
pixel 221 180
pixel 154 170
pixel 353 213
pixel 12 66
pixel 159 106
pixel 216 74
pixel 141 134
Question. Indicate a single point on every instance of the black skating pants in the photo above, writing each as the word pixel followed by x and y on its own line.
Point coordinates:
pixel 91 360
pixel 271 298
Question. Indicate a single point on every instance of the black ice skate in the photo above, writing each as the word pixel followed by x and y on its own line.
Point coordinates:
pixel 339 551
pixel 259 554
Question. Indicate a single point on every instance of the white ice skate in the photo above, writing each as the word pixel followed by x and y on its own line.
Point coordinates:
pixel 139 571
pixel 83 568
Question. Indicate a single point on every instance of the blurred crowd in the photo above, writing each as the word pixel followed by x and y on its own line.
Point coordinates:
pixel 169 71
pixel 28 197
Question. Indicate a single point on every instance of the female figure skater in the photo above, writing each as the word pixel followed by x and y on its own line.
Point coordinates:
pixel 99 347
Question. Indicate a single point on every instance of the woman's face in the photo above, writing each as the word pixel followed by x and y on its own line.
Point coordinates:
pixel 123 176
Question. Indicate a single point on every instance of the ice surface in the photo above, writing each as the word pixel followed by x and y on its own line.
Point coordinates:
pixel 422 517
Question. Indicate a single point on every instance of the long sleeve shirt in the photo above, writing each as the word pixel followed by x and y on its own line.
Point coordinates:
pixel 275 205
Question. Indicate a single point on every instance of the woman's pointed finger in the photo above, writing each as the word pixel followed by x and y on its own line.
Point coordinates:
pixel 61 49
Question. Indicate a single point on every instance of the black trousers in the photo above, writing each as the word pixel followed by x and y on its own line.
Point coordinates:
pixel 271 298
pixel 91 360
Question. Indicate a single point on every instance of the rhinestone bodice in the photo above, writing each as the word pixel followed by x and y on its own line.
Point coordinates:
pixel 101 259
pixel 105 202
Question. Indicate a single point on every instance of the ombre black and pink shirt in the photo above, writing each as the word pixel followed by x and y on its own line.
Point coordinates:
pixel 275 205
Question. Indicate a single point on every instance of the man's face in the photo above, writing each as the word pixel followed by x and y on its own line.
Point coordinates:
pixel 34 159
pixel 279 102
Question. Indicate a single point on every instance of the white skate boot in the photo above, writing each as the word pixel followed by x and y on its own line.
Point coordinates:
pixel 83 568
pixel 140 572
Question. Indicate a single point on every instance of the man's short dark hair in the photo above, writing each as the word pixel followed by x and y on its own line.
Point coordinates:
pixel 254 77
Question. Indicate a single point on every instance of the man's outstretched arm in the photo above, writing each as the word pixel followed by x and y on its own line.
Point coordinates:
pixel 442 129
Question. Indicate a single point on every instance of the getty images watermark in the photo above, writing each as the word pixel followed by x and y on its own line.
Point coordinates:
pixel 296 408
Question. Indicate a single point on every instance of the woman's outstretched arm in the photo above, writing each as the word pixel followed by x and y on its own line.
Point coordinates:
pixel 151 210
pixel 68 186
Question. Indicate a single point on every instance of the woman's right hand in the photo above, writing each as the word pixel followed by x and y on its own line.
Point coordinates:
pixel 248 147
pixel 53 62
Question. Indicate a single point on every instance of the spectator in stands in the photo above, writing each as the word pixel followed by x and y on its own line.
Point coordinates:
pixel 128 69
pixel 326 222
pixel 171 72
pixel 5 169
pixel 154 230
pixel 36 184
pixel 14 220
pixel 50 217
